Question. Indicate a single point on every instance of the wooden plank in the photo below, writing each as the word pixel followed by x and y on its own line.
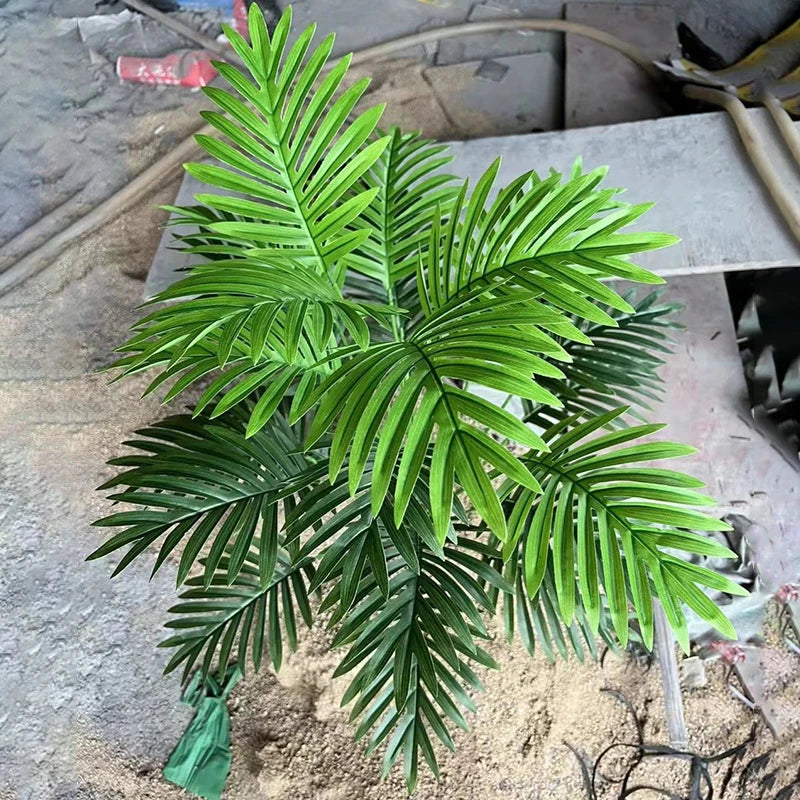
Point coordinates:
pixel 601 85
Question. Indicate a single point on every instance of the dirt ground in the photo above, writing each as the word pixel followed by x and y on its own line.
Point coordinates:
pixel 290 739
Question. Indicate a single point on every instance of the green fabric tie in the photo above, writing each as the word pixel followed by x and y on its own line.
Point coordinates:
pixel 202 759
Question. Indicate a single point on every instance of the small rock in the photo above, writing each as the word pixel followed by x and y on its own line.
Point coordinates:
pixel 693 673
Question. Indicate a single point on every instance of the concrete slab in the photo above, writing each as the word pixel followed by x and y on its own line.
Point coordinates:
pixel 519 94
pixel 692 166
pixel 514 43
pixel 706 404
pixel 601 85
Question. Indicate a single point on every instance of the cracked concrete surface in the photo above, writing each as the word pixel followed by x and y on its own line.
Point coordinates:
pixel 77 650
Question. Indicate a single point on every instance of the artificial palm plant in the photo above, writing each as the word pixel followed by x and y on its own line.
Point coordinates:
pixel 350 302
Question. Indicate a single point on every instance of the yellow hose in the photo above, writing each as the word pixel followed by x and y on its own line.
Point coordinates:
pixel 751 139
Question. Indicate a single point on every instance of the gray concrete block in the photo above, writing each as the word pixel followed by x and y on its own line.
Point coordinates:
pixel 692 166
pixel 601 85
pixel 693 673
pixel 501 95
pixel 513 43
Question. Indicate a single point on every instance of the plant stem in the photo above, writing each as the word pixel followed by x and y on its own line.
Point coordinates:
pixel 673 702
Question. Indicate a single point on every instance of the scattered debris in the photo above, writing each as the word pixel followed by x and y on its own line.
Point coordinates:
pixel 730 654
pixel 151 49
pixel 190 68
pixel 640 751
pixel 769 347
pixel 788 593
pixel 107 36
pixel 693 673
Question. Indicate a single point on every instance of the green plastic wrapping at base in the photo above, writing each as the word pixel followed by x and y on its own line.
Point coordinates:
pixel 202 758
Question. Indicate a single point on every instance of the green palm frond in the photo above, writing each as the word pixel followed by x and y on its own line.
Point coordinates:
pixel 621 364
pixel 268 324
pixel 536 620
pixel 556 238
pixel 498 344
pixel 410 188
pixel 201 239
pixel 354 539
pixel 620 523
pixel 409 610
pixel 350 313
pixel 415 653
pixel 199 484
pixel 240 617
pixel 292 159
pixel 293 154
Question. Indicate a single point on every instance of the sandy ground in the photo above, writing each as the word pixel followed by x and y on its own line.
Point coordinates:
pixel 290 739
